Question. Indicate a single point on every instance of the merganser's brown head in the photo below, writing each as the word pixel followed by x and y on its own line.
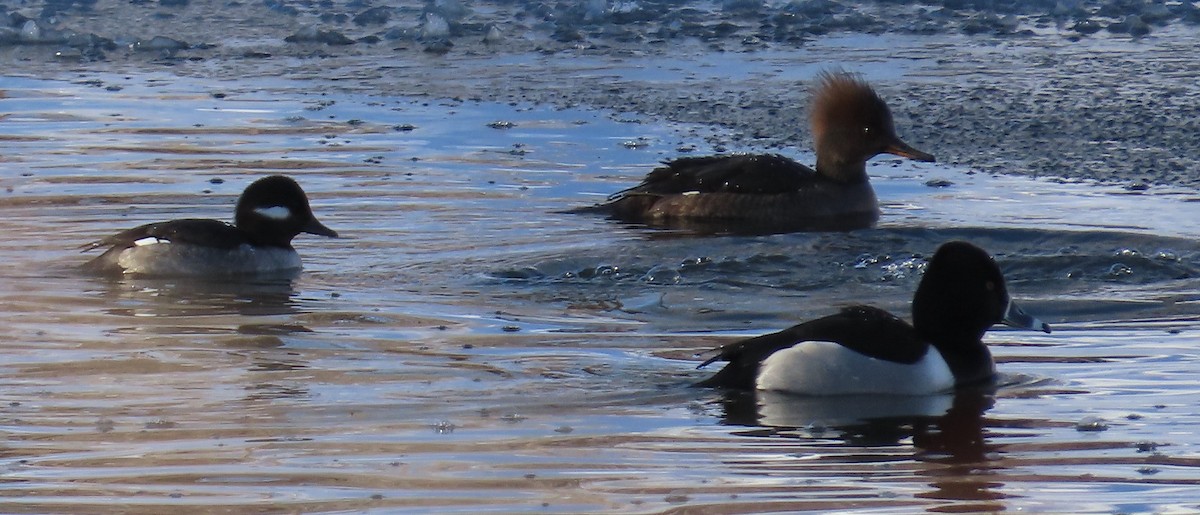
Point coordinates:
pixel 850 125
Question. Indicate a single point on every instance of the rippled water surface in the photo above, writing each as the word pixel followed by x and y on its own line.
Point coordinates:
pixel 465 348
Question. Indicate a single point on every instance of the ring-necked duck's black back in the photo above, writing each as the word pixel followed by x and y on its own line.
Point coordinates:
pixel 850 125
pixel 867 350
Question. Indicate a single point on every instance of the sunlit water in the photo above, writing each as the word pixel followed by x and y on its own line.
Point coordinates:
pixel 465 348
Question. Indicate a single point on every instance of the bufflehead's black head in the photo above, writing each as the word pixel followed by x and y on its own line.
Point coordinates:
pixel 851 124
pixel 962 295
pixel 274 209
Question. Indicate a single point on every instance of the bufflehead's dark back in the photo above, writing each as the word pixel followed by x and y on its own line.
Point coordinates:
pixel 269 214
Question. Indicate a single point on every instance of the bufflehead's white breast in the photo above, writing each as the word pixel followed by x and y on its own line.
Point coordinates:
pixel 827 368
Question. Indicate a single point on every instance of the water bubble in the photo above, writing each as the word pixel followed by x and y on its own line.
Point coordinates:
pixel 1166 255
pixel 866 260
pixel 444 427
pixel 493 35
pixel 1126 252
pixel 1091 424
pixel 901 269
pixel 1119 269
pixel 1146 446
pixel 31 32
pixel 435 27
pixel 662 274
pixel 599 271
pixel 695 262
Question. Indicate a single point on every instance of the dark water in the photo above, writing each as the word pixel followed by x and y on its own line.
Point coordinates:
pixel 467 349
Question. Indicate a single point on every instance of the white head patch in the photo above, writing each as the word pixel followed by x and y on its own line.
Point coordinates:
pixel 274 212
pixel 149 240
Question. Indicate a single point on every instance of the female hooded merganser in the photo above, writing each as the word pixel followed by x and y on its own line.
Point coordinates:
pixel 850 125
pixel 270 212
pixel 866 350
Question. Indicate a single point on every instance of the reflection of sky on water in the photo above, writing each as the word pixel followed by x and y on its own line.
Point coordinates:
pixel 464 340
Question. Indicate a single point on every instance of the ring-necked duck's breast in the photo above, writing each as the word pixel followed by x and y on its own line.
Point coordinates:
pixel 850 125
pixel 269 214
pixel 867 350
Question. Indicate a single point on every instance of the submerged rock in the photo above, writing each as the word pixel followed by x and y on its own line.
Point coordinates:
pixel 1132 25
pixel 493 35
pixel 280 7
pixel 160 44
pixel 435 27
pixel 373 16
pixel 311 34
pixel 450 10
pixel 1087 27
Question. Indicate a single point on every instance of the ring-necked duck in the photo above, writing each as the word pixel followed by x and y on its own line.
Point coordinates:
pixel 866 350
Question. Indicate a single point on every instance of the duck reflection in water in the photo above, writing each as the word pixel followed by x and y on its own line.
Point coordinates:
pixel 947 431
pixel 183 296
pixel 252 314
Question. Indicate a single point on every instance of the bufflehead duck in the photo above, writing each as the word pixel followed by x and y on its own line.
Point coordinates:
pixel 850 124
pixel 866 350
pixel 270 212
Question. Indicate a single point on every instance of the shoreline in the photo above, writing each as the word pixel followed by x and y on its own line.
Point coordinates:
pixel 1107 108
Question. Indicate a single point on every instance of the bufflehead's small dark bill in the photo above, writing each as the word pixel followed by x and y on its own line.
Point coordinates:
pixel 268 215
pixel 866 350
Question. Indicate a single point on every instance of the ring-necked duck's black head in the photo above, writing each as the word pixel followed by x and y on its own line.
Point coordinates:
pixel 850 125
pixel 962 295
pixel 275 209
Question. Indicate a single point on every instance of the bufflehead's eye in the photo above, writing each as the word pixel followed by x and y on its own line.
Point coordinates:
pixel 866 130
pixel 274 212
pixel 990 286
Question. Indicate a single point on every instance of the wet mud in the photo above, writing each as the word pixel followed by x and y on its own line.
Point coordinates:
pixel 1082 91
